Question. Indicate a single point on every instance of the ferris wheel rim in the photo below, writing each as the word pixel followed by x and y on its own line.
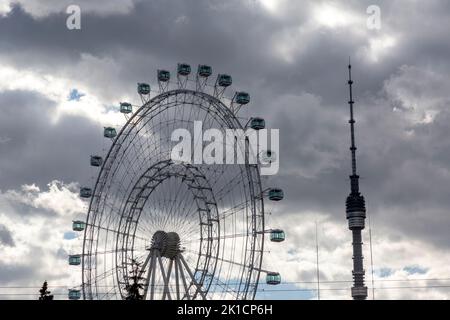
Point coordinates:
pixel 228 115
pixel 128 221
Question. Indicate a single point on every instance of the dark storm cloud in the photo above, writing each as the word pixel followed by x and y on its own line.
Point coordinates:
pixel 161 33
pixel 404 178
pixel 37 151
pixel 6 237
pixel 209 31
pixel 169 31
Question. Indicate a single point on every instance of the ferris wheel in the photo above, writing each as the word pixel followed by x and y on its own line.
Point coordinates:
pixel 190 230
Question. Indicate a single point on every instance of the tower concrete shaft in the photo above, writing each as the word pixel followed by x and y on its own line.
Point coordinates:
pixel 356 210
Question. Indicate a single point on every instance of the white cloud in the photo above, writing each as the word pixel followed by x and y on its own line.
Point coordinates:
pixel 332 16
pixel 295 259
pixel 60 199
pixel 299 31
pixel 39 241
pixel 272 6
pixel 4 140
pixel 37 220
pixel 182 20
pixel 57 88
pixel 377 47
pixel 417 102
pixel 5 7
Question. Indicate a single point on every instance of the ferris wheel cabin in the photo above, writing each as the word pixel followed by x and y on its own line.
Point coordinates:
pixel 242 97
pixel 276 194
pixel 204 71
pixel 96 161
pixel 224 80
pixel 125 107
pixel 143 88
pixel 257 123
pixel 273 278
pixel 109 132
pixel 74 294
pixel 163 75
pixel 184 69
pixel 75 260
pixel 78 225
pixel 277 235
pixel 85 193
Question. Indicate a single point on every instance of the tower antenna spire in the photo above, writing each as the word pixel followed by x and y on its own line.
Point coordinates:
pixel 352 124
pixel 355 207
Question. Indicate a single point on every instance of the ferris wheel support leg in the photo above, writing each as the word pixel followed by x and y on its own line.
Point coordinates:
pixel 145 264
pixel 177 284
pixel 165 277
pixel 166 284
pixel 149 273
pixel 186 289
pixel 152 287
pixel 199 288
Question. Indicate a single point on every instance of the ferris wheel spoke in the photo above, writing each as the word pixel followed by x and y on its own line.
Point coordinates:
pixel 226 261
pixel 105 252
pixel 235 209
pixel 189 232
pixel 225 236
pixel 108 294
pixel 228 187
pixel 105 274
pixel 181 222
pixel 184 196
pixel 226 287
pixel 188 208
pixel 169 212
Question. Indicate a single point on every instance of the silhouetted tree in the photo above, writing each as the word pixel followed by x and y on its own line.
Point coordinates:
pixel 45 294
pixel 135 284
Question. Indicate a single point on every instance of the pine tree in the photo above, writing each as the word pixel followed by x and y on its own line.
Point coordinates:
pixel 135 286
pixel 45 294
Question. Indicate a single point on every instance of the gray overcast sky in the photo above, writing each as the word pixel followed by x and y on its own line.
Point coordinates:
pixel 292 57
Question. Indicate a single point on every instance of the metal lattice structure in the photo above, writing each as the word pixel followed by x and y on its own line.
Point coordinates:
pixel 196 230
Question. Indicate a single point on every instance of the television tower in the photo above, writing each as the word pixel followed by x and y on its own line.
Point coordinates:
pixel 355 209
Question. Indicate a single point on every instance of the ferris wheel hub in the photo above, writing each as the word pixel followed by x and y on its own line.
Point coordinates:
pixel 167 243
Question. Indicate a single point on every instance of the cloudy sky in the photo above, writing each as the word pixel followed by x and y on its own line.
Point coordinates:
pixel 59 87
